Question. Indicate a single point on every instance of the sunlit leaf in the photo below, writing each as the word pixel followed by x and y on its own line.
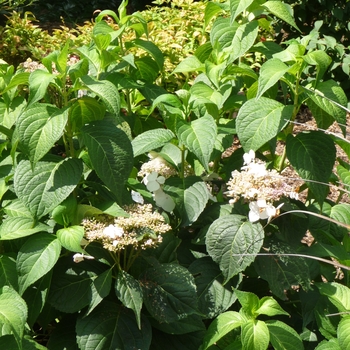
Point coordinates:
pixel 229 238
pixel 36 257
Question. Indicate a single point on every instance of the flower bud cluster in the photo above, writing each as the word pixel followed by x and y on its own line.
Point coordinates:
pixel 259 186
pixel 142 229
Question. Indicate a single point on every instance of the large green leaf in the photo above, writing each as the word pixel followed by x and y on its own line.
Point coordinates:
pixel 150 140
pixel 152 49
pixel 189 64
pixel 222 32
pixel 238 6
pixel 36 257
pixel 312 154
pixel 321 60
pixel 229 238
pixel 85 110
pixel 343 333
pixel 106 90
pixel 283 336
pixel 169 292
pixel 129 292
pixel 43 188
pixel 329 96
pixel 71 288
pixel 341 213
pixel 282 11
pixel 332 344
pixel 111 326
pixel 13 314
pixel 282 272
pixel 18 227
pixel 260 120
pixel 39 80
pixel 222 325
pixel 39 127
pixel 338 294
pixel 255 335
pixel 270 73
pixel 244 39
pixel 211 10
pixel 100 288
pixel 8 272
pixel 199 137
pixel 70 238
pixel 190 195
pixel 214 297
pixel 110 152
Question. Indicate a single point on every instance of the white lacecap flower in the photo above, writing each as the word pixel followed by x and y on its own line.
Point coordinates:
pixel 294 195
pixel 163 200
pixel 261 210
pixel 249 157
pixel 78 257
pixel 113 232
pixel 136 197
pixel 153 181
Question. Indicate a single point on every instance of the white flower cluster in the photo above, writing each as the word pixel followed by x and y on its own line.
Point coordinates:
pixel 154 184
pixel 142 229
pixel 260 187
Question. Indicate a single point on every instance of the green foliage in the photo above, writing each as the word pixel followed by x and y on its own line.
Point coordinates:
pixel 145 205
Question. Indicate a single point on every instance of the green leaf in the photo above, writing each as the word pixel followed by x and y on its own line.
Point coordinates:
pixel 70 238
pixel 328 96
pixel 332 344
pixel 43 188
pixel 303 152
pixel 84 111
pixel 255 335
pixel 321 60
pixel 16 208
pixel 13 314
pixel 36 257
pixel 222 325
pixel 338 295
pixel 72 286
pixel 249 302
pixel 39 127
pixel 214 297
pixel 343 171
pixel 18 227
pixel 283 336
pixel 343 333
pixel 229 238
pixel 211 10
pixel 199 137
pixel 100 288
pixel 189 64
pixel 244 39
pixel 151 140
pixel 222 32
pixel 269 306
pixel 238 6
pixel 8 272
pixel 106 90
pixel 129 292
pixel 283 271
pixel 110 153
pixel 270 73
pixel 39 80
pixel 341 213
pixel 259 121
pixel 190 195
pixel 169 292
pixel 282 11
pixel 151 48
pixel 111 326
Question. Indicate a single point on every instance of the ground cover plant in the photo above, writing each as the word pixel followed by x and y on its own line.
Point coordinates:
pixel 149 210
